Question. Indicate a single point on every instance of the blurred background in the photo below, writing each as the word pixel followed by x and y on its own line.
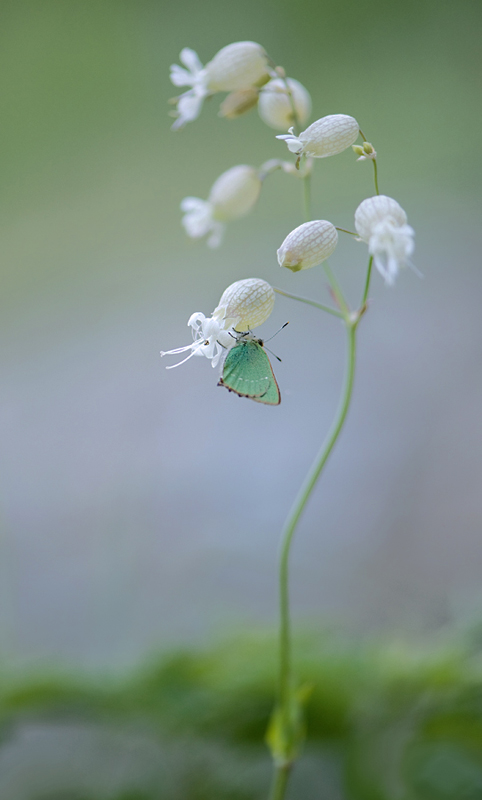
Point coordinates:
pixel 142 508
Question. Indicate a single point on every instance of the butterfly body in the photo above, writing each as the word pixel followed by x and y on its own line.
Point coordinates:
pixel 247 372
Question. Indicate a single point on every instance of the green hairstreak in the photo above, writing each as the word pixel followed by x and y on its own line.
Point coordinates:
pixel 247 372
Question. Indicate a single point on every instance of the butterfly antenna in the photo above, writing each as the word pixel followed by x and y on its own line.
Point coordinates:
pixel 273 354
pixel 271 337
pixel 275 334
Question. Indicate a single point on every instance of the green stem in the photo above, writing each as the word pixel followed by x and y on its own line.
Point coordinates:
pixel 338 294
pixel 328 310
pixel 285 666
pixel 367 282
pixel 280 782
pixel 344 230
pixel 375 168
pixel 297 128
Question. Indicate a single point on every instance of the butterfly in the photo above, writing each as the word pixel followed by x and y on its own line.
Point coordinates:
pixel 247 371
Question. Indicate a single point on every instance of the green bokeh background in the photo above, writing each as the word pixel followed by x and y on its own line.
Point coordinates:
pixel 104 476
pixel 142 508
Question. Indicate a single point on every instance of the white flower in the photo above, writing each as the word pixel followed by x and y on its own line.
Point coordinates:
pixel 276 107
pixel 210 337
pixel 250 301
pixel 243 305
pixel 327 136
pixel 238 66
pixel 308 245
pixel 232 196
pixel 190 103
pixel 382 223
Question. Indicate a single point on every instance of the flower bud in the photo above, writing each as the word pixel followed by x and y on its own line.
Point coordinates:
pixel 236 66
pixel 238 103
pixel 327 136
pixel 234 193
pixel 276 106
pixel 359 151
pixel 308 245
pixel 374 210
pixel 249 301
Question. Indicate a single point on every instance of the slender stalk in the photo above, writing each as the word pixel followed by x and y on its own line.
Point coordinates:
pixel 337 293
pixel 285 687
pixel 328 310
pixel 367 282
pixel 297 128
pixel 344 230
pixel 280 782
pixel 375 168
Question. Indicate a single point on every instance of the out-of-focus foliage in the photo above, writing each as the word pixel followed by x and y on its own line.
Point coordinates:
pixel 384 721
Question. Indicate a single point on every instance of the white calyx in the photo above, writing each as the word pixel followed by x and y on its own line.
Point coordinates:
pixel 232 196
pixel 308 245
pixel 382 223
pixel 243 306
pixel 277 109
pixel 250 301
pixel 237 66
pixel 327 136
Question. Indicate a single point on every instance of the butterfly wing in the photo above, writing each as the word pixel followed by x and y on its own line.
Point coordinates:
pixel 247 371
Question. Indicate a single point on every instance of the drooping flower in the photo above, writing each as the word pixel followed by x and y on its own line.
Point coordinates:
pixel 308 245
pixel 232 196
pixel 327 136
pixel 382 223
pixel 237 66
pixel 275 106
pixel 243 306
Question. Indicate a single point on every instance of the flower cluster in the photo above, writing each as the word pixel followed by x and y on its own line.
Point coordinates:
pixel 248 75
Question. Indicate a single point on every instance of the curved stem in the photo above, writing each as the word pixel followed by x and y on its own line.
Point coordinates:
pixel 285 689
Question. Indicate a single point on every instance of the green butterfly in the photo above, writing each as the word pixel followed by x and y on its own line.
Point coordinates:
pixel 248 372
